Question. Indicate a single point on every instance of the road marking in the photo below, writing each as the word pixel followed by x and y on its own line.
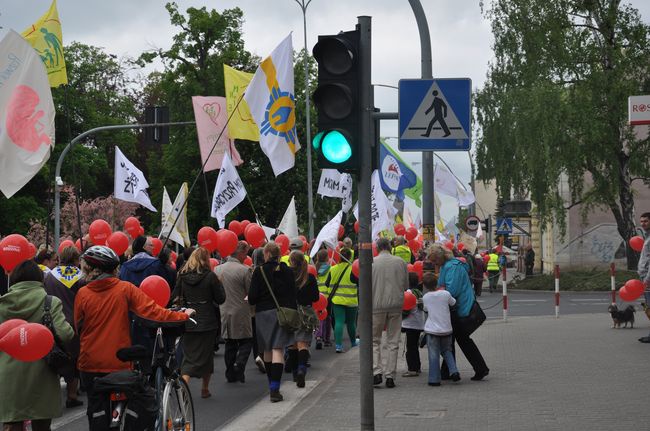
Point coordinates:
pixel 67 419
pixel 529 300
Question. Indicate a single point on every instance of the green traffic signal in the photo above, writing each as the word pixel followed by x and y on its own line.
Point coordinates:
pixel 335 147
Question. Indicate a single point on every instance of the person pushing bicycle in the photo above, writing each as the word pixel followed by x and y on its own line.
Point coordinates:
pixel 101 315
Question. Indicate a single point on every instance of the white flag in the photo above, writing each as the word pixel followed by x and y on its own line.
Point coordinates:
pixel 328 235
pixel 346 203
pixel 465 197
pixel 289 223
pixel 271 100
pixel 333 184
pixel 479 230
pixel 228 192
pixel 26 114
pixel 444 181
pixel 130 184
pixel 382 212
pixel 180 233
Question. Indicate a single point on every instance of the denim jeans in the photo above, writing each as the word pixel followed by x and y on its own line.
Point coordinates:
pixel 439 345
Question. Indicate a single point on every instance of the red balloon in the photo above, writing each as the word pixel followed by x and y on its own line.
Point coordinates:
pixel 77 244
pixel 409 267
pixel 157 246
pixel 356 226
pixel 255 235
pixel 99 232
pixel 418 268
pixel 636 243
pixel 248 261
pixel 322 315
pixel 330 253
pixel 29 342
pixel 283 241
pixel 375 252
pixel 410 301
pixel 157 289
pixel 226 242
pixel 173 256
pixel 336 255
pixel 8 325
pixel 172 265
pixel 486 258
pixel 635 287
pixel 341 231
pixel 626 295
pixel 65 244
pixel 244 225
pixel 213 263
pixel 207 238
pixel 321 304
pixel 312 270
pixel 411 233
pixel 118 242
pixel 355 268
pixel 141 231
pixel 236 227
pixel 305 243
pixel 460 246
pixel 414 245
pixel 14 249
pixel 132 227
pixel 32 250
pixel 449 245
pixel 399 229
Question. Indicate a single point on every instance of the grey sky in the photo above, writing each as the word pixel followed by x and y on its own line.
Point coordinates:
pixel 460 36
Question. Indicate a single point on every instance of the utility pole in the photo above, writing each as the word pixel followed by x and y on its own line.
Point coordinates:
pixel 365 229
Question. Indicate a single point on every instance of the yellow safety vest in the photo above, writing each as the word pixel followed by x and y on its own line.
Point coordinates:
pixel 285 259
pixel 404 252
pixel 322 283
pixel 346 294
pixel 493 264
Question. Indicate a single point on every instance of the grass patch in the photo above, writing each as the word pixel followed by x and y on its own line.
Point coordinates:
pixel 576 281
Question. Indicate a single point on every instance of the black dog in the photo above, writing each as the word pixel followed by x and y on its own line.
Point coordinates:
pixel 620 317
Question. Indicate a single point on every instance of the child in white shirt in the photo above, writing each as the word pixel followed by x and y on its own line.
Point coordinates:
pixel 438 329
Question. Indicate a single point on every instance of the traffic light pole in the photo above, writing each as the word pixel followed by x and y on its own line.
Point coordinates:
pixel 365 228
pixel 428 205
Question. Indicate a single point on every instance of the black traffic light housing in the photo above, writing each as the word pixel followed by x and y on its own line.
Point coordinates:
pixel 338 102
pixel 156 135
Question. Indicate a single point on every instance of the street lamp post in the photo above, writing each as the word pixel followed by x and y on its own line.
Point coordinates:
pixel 310 202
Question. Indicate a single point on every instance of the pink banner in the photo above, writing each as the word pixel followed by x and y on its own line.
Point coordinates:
pixel 210 116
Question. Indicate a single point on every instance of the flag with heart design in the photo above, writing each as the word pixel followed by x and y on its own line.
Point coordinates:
pixel 214 141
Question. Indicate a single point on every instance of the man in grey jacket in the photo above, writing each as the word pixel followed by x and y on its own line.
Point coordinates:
pixel 236 327
pixel 644 262
pixel 389 281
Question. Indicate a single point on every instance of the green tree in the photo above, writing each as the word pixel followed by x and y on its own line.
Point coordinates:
pixel 194 66
pixel 555 105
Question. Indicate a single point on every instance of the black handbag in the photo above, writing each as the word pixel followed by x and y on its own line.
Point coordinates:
pixel 288 318
pixel 465 326
pixel 58 359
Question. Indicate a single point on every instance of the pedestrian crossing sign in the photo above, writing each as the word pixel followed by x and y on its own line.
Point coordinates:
pixel 435 114
pixel 504 226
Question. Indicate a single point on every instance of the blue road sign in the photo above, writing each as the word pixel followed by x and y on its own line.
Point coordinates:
pixel 434 114
pixel 504 226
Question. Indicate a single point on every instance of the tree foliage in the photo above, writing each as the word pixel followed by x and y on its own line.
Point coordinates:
pixel 555 105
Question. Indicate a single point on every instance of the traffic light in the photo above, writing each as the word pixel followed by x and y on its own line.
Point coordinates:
pixel 338 102
pixel 156 135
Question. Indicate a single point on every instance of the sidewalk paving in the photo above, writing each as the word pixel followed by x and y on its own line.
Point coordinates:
pixel 574 372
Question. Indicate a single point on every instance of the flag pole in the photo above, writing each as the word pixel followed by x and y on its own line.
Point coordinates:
pixel 216 141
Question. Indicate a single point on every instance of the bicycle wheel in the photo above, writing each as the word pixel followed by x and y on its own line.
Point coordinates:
pixel 178 408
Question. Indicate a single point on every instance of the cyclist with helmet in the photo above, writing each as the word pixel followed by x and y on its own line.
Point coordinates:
pixel 101 314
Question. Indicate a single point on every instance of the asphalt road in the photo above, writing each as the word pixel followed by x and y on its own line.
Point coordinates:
pixel 229 400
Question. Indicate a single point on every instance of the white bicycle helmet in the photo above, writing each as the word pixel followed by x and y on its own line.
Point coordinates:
pixel 102 257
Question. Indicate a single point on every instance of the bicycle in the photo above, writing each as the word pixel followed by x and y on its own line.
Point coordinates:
pixel 173 400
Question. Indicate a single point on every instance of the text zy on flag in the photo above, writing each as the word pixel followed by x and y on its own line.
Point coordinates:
pixel 26 114
pixel 210 116
pixel 46 38
pixel 130 184
pixel 271 100
pixel 228 192
pixel 241 124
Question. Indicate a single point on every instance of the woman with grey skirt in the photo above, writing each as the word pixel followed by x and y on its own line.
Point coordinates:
pixel 272 339
pixel 307 293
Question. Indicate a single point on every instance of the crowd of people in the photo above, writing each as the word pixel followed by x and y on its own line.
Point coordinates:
pixel 97 308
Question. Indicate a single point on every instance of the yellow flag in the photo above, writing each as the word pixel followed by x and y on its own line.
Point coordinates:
pixel 241 124
pixel 45 37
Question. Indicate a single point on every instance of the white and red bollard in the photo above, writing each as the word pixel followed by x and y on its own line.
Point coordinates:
pixel 557 291
pixel 505 295
pixel 612 275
